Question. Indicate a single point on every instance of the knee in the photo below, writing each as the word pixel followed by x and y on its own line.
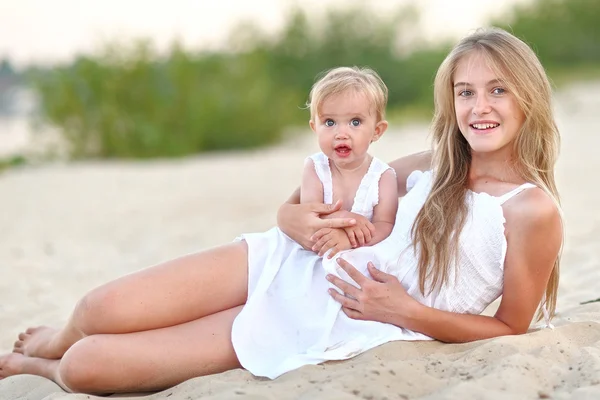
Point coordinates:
pixel 93 312
pixel 79 369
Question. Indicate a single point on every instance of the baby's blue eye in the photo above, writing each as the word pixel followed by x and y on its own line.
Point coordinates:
pixel 465 93
pixel 499 90
pixel 355 122
pixel 329 122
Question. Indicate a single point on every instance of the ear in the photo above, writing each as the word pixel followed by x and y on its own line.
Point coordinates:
pixel 380 129
pixel 311 123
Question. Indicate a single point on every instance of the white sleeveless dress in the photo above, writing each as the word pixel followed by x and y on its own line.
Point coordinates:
pixel 290 320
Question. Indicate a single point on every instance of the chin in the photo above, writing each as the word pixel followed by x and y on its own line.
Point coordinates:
pixel 487 148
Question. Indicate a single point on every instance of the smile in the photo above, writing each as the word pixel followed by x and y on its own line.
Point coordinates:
pixel 484 126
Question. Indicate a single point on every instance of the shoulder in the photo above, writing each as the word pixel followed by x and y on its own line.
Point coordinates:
pixel 532 208
pixel 388 179
pixel 309 164
pixel 532 217
pixel 315 158
pixel 310 168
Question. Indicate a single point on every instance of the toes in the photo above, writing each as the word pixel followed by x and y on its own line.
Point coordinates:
pixel 23 336
pixel 30 330
pixel 18 347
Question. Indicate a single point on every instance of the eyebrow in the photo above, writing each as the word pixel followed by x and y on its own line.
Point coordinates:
pixel 337 115
pixel 492 82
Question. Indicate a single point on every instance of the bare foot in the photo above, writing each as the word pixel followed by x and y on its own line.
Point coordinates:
pixel 17 364
pixel 38 342
pixel 11 364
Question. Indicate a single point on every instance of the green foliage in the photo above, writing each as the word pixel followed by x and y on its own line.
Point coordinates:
pixel 11 162
pixel 564 33
pixel 130 102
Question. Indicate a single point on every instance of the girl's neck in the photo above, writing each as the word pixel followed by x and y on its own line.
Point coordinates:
pixel 496 166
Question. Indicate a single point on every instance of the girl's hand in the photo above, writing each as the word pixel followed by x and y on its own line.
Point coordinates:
pixel 333 239
pixel 301 221
pixel 382 298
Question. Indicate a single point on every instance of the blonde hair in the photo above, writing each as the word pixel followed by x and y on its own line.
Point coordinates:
pixel 342 79
pixel 438 225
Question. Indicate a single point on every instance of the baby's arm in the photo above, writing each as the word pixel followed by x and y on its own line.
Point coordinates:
pixel 311 191
pixel 311 188
pixel 384 213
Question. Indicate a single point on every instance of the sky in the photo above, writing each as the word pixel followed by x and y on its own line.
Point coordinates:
pixel 42 31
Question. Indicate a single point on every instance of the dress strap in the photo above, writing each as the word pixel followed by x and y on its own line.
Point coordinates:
pixel 367 194
pixel 323 170
pixel 507 196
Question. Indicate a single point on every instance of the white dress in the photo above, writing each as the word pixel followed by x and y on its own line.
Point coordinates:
pixel 290 320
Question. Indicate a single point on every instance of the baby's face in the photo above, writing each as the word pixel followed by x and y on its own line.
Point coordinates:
pixel 345 125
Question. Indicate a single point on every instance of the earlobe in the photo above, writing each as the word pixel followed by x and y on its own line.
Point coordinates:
pixel 311 123
pixel 380 129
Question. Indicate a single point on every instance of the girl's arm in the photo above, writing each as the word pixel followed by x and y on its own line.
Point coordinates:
pixel 367 232
pixel 534 234
pixel 301 221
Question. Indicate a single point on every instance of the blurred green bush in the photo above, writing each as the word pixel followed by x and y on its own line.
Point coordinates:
pixel 564 33
pixel 130 102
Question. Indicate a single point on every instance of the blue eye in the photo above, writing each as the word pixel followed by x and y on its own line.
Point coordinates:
pixel 465 93
pixel 498 90
pixel 329 122
pixel 355 122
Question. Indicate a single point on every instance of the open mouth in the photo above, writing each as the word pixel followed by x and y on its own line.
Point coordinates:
pixel 484 126
pixel 342 150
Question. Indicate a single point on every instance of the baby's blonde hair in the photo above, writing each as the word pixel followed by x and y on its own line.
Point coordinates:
pixel 342 79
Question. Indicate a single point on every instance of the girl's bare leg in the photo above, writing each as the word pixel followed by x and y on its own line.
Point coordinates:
pixel 141 361
pixel 168 294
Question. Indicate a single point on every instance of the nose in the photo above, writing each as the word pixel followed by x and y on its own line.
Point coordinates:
pixel 341 132
pixel 482 106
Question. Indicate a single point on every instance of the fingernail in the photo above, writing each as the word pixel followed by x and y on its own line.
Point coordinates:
pixel 329 277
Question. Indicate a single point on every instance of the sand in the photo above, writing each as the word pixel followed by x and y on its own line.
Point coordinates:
pixel 66 228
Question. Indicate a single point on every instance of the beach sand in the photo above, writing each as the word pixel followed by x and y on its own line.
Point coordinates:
pixel 66 228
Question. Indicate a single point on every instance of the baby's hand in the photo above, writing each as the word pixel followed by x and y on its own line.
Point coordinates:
pixel 334 239
pixel 361 233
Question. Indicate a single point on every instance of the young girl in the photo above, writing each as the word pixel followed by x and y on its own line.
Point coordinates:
pixel 272 337
pixel 348 114
pixel 481 221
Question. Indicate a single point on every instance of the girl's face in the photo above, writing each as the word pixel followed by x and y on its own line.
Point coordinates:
pixel 345 126
pixel 487 113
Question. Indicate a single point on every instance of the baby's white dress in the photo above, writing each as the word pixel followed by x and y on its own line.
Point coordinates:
pixel 290 320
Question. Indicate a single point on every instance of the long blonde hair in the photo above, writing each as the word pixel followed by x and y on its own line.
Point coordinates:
pixel 437 227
